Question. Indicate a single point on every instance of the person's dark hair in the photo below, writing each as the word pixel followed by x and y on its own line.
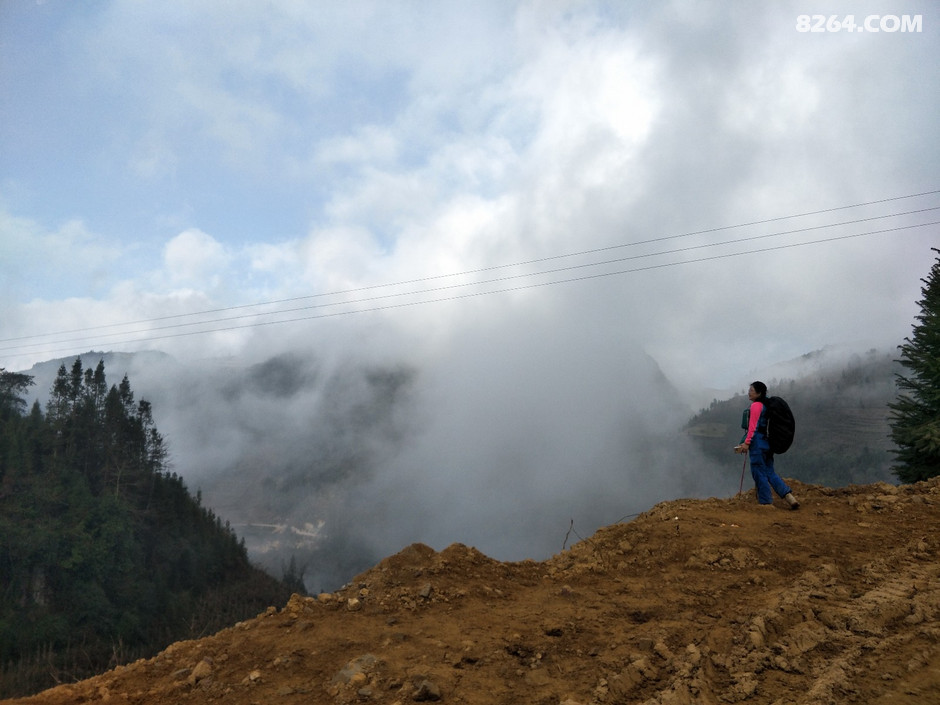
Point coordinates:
pixel 761 390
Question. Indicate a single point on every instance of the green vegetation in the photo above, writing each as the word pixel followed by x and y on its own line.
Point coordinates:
pixel 915 419
pixel 842 429
pixel 105 557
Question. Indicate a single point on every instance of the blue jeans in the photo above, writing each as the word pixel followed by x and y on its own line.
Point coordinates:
pixel 762 470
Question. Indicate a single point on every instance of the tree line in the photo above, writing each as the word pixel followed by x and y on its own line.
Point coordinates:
pixel 105 556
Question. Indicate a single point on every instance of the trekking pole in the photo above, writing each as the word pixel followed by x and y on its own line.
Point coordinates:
pixel 743 468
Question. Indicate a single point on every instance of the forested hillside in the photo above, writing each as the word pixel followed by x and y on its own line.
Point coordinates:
pixel 842 417
pixel 104 555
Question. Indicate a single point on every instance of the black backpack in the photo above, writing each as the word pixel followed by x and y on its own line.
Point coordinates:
pixel 780 425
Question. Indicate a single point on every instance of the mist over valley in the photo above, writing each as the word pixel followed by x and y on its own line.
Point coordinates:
pixel 334 462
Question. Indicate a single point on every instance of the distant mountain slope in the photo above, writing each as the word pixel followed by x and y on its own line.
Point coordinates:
pixel 118 364
pixel 842 422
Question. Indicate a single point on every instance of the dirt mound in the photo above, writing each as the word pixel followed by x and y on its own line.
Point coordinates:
pixel 695 601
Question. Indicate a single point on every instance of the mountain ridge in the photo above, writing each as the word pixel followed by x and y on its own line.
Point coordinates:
pixel 694 601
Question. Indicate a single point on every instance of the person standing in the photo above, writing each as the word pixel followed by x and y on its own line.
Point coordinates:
pixel 756 445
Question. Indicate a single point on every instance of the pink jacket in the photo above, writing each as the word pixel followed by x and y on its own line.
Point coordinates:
pixel 753 416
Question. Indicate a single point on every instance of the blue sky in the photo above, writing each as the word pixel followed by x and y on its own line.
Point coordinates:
pixel 161 159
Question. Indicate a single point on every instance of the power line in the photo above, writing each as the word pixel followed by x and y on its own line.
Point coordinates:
pixel 480 270
pixel 496 280
pixel 520 287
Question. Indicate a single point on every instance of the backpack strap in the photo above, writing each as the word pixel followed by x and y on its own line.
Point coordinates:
pixel 762 421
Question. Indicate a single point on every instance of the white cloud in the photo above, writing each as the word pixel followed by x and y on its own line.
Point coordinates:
pixel 340 258
pixel 271 258
pixel 474 136
pixel 195 258
pixel 771 98
pixel 369 144
pixel 69 260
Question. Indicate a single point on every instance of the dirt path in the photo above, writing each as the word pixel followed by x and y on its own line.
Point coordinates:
pixel 695 601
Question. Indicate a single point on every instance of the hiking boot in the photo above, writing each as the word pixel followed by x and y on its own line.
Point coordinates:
pixel 791 500
pixel 766 506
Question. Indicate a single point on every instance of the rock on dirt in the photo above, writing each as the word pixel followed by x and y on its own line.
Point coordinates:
pixel 695 601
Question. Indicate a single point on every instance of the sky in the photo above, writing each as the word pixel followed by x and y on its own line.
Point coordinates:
pixel 525 201
pixel 173 158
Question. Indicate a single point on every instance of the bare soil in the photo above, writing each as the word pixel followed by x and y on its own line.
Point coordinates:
pixel 695 601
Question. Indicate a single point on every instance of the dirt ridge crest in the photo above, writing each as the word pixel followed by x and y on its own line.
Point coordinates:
pixel 693 601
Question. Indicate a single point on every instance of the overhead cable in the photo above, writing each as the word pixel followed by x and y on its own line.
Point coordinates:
pixel 455 297
pixel 487 269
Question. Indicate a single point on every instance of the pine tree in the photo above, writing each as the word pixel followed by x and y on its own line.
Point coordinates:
pixel 58 407
pixel 12 386
pixel 915 418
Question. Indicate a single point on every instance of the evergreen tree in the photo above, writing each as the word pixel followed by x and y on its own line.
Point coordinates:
pixel 915 421
pixel 96 389
pixel 293 577
pixel 12 386
pixel 57 407
pixel 12 406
